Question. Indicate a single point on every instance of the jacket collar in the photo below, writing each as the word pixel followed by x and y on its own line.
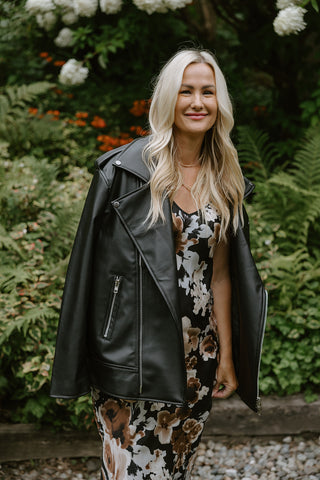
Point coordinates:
pixel 130 159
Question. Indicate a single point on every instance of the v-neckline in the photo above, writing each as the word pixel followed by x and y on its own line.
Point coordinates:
pixel 183 211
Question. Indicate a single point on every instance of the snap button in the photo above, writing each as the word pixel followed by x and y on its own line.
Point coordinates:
pixel 118 162
pixel 116 204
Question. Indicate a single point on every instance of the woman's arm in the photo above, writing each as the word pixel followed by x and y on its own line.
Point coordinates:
pixel 226 378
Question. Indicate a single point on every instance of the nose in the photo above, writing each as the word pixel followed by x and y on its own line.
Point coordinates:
pixel 196 101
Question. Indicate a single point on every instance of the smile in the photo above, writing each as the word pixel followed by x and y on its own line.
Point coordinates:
pixel 196 116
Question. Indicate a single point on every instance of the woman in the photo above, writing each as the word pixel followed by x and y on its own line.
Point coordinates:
pixel 163 307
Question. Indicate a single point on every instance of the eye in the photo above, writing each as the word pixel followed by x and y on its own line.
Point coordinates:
pixel 185 92
pixel 209 92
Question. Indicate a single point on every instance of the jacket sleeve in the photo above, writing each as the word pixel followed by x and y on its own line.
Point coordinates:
pixel 70 377
pixel 249 309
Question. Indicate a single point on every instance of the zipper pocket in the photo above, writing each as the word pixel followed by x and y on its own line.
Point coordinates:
pixel 258 399
pixel 140 325
pixel 115 290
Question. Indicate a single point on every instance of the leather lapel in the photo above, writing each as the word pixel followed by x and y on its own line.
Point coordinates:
pixel 155 244
pixel 131 160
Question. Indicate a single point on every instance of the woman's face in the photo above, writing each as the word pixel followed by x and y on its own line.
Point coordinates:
pixel 196 108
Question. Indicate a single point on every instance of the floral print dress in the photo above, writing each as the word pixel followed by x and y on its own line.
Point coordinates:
pixel 148 440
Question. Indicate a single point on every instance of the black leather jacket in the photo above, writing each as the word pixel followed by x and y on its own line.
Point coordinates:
pixel 120 327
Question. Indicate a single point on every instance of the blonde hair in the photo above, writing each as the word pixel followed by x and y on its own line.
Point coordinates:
pixel 220 180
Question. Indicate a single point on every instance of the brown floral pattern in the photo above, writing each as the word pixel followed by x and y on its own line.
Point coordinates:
pixel 151 440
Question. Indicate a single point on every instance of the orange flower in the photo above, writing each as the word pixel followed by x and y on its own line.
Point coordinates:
pixel 80 123
pixel 82 115
pixel 58 91
pixel 55 113
pixel 139 130
pixel 140 107
pixel 70 95
pixel 70 120
pixel 105 148
pixel 33 111
pixel 59 63
pixel 104 138
pixel 112 142
pixel 98 122
pixel 124 141
pixel 44 54
pixel 49 59
pixel 260 109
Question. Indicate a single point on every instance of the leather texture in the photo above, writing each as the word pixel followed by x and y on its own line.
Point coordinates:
pixel 120 326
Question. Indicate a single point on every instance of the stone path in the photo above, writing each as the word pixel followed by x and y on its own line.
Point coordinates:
pixel 254 458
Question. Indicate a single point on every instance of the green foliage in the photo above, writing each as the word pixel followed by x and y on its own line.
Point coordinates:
pixel 17 127
pixel 256 153
pixel 39 215
pixel 19 40
pixel 314 4
pixel 311 108
pixel 285 216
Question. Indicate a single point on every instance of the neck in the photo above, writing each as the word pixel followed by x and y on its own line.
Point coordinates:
pixel 188 149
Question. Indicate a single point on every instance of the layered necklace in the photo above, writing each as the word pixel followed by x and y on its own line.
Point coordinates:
pixel 185 165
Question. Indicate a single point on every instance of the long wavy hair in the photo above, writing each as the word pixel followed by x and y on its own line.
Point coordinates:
pixel 220 180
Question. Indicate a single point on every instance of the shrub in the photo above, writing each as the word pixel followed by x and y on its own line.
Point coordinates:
pixel 285 227
pixel 39 215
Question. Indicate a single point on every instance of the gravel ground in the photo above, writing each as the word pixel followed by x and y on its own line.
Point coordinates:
pixel 289 458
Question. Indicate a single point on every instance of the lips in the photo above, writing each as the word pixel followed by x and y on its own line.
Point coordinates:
pixel 196 116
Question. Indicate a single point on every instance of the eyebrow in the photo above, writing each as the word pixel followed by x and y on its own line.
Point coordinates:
pixel 190 86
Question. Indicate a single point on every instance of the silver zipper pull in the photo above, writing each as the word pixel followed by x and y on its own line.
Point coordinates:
pixel 116 285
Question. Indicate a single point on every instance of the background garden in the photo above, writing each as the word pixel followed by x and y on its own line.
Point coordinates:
pixel 75 82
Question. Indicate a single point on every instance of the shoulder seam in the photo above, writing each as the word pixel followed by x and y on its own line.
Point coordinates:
pixel 104 177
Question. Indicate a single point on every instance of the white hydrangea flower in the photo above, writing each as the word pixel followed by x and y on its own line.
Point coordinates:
pixel 73 73
pixel 68 4
pixel 69 17
pixel 151 6
pixel 64 38
pixel 175 4
pixel 85 8
pixel 289 20
pixel 110 6
pixel 46 20
pixel 281 4
pixel 39 6
pixel 160 6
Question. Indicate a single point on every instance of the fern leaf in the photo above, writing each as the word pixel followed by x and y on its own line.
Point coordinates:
pixel 4 106
pixel 287 181
pixel 14 100
pixel 26 93
pixel 10 278
pixel 306 165
pixel 7 243
pixel 35 315
pixel 256 152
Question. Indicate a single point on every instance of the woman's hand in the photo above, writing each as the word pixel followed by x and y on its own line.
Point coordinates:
pixel 226 380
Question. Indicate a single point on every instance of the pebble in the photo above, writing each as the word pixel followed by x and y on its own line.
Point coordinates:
pixel 290 458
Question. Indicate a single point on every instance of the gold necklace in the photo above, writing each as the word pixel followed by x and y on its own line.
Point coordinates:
pixel 189 166
pixel 187 187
